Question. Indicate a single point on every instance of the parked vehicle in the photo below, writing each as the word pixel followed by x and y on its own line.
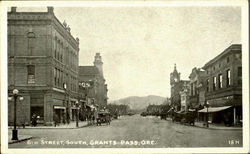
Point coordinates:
pixel 163 116
pixel 184 117
pixel 103 117
pixel 115 116
pixel 144 114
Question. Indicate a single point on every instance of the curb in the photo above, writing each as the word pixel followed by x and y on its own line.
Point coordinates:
pixel 212 128
pixel 16 141
pixel 218 128
pixel 52 127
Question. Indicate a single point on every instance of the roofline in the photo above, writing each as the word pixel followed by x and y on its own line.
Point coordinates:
pixel 227 50
pixel 54 16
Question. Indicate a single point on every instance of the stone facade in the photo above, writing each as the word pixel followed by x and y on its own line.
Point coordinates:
pixel 42 55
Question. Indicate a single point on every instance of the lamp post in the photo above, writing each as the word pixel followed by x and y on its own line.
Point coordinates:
pixel 67 114
pixel 77 113
pixel 207 105
pixel 14 131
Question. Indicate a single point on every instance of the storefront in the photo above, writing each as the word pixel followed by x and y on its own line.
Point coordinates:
pixel 59 114
pixel 228 115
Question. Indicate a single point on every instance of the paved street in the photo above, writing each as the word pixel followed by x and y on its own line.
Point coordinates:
pixel 131 132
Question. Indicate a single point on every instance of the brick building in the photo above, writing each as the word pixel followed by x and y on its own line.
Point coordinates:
pixel 177 86
pixel 223 86
pixel 96 93
pixel 42 56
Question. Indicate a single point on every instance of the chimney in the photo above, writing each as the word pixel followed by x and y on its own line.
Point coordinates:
pixel 50 9
pixel 13 9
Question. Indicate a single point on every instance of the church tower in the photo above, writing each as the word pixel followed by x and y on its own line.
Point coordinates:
pixel 174 76
pixel 98 63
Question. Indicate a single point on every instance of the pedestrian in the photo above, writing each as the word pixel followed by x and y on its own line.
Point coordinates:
pixel 55 120
pixel 34 120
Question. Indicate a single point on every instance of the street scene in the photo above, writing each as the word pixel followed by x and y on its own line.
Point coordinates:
pixel 125 77
pixel 131 132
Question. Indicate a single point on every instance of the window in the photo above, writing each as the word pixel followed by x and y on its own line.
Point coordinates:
pixel 55 76
pixel 31 73
pixel 207 85
pixel 31 43
pixel 194 86
pixel 220 81
pixel 191 89
pixel 228 78
pixel 239 71
pixel 228 59
pixel 214 83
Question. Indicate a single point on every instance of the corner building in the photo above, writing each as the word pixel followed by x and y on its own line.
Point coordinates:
pixel 42 56
pixel 223 84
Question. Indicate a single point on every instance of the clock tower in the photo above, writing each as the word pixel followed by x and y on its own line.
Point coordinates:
pixel 174 77
pixel 98 63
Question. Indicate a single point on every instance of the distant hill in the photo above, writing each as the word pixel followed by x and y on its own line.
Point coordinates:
pixel 139 103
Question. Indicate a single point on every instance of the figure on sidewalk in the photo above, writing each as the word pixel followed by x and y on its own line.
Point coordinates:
pixel 34 120
pixel 56 120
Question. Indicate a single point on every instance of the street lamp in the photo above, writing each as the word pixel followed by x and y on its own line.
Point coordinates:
pixel 207 105
pixel 15 95
pixel 67 114
pixel 77 113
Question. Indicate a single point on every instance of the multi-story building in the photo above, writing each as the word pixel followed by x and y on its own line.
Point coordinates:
pixel 96 91
pixel 177 86
pixel 223 86
pixel 42 65
pixel 184 94
pixel 197 90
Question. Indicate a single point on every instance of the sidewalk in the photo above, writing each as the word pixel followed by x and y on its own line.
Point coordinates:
pixel 20 138
pixel 213 126
pixel 71 125
pixel 216 126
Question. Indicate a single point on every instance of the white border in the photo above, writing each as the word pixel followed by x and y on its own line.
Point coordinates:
pixel 245 63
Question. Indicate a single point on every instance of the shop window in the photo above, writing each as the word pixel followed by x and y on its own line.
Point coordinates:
pixel 31 73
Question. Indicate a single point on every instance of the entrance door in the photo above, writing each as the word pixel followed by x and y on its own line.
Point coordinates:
pixel 38 111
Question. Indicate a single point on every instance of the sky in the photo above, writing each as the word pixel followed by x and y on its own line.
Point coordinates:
pixel 140 45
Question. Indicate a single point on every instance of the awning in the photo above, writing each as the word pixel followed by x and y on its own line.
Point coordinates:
pixel 59 107
pixel 215 109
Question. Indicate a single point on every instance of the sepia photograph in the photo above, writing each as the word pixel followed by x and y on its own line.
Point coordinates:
pixel 125 77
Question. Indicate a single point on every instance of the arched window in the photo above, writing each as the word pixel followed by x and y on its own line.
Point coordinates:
pixel 31 43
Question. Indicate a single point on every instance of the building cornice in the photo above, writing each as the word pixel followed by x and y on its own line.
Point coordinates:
pixel 46 18
pixel 233 47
